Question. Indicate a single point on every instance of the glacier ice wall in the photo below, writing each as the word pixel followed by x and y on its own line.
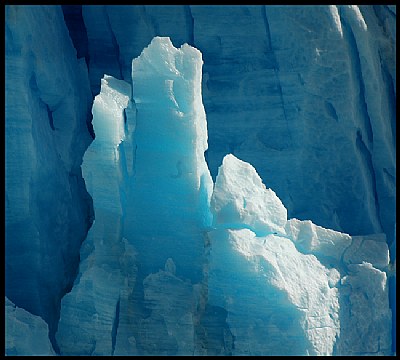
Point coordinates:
pixel 208 270
pixel 314 86
pixel 47 109
pixel 318 104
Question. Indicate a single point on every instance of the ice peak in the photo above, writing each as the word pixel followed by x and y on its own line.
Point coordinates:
pixel 109 105
pixel 241 199
pixel 167 60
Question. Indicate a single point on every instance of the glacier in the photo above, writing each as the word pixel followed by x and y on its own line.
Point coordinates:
pixel 137 219
pixel 341 79
pixel 243 244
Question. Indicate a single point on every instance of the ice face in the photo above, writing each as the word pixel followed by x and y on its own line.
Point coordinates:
pixel 48 210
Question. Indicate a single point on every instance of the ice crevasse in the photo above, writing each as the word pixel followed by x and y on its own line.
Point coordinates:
pixel 177 265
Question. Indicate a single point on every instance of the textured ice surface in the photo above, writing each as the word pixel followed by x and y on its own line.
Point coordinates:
pixel 365 314
pixel 26 334
pixel 313 239
pixel 369 248
pixel 271 291
pixel 171 332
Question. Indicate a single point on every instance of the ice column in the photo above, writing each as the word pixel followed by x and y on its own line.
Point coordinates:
pixel 171 187
pixel 90 312
pixel 168 190
pixel 140 280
